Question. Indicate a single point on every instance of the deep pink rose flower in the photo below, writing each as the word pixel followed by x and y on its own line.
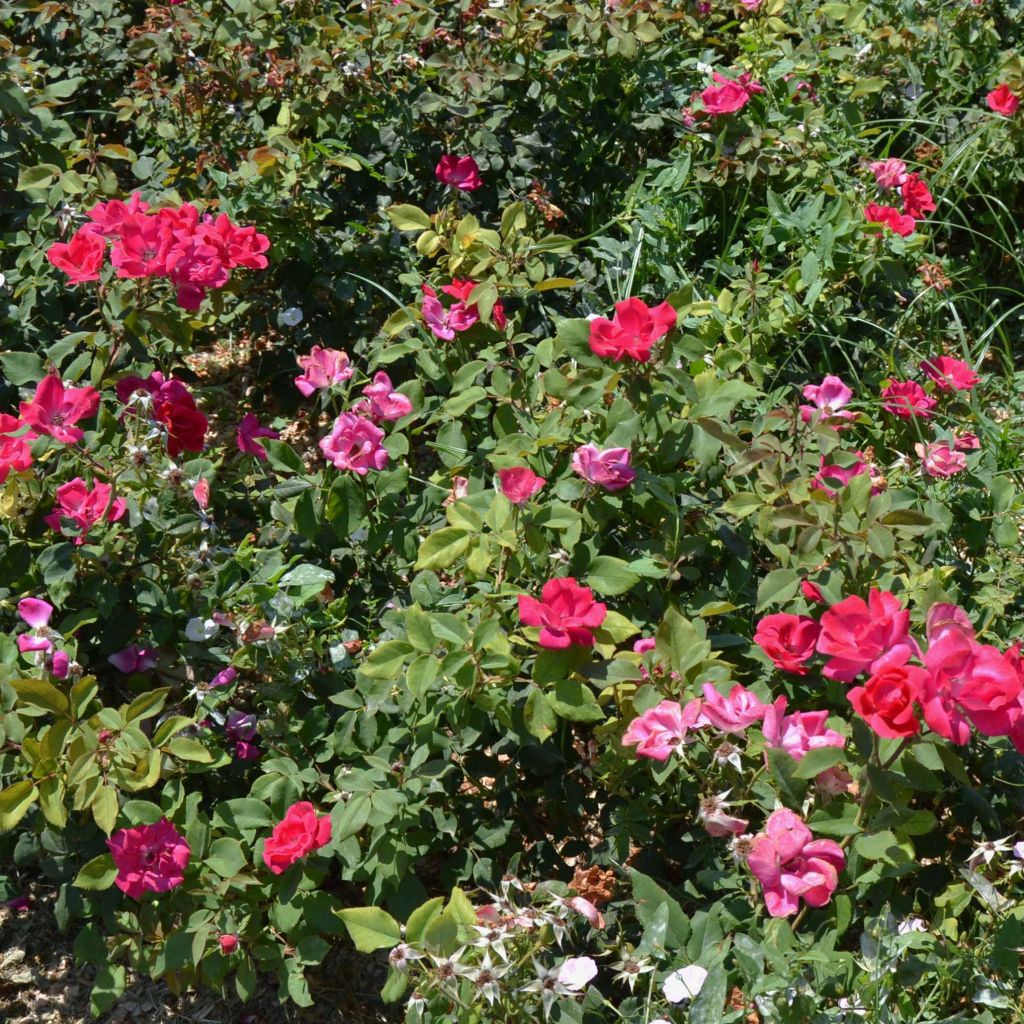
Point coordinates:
pixel 519 484
pixel 788 640
pixel 798 733
pixel 889 174
pixel 384 402
pixel 907 399
pixel 142 248
pixel 965 441
pixel 355 443
pixel 661 730
pixel 81 257
pixel 110 216
pixel 298 834
pixel 459 171
pixel 812 592
pixel 609 469
pixel 898 223
pixel 55 410
pixel 446 323
pixel 84 508
pixel 633 331
pixel 831 476
pixel 791 865
pixel 829 398
pixel 734 713
pixel 228 944
pixel 35 612
pixel 949 373
pixel 1003 100
pixel 149 858
pixel 888 700
pixel 248 434
pixel 855 633
pixel 940 459
pixel 566 613
pixel 133 659
pixel 322 368
pixel 729 95
pixel 15 453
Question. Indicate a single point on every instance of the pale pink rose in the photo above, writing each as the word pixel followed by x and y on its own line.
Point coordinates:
pixel 889 174
pixel 322 368
pixel 609 469
pixel 734 713
pixel 800 732
pixel 384 402
pixel 577 972
pixel 829 398
pixel 661 730
pixel 355 443
pixel 939 459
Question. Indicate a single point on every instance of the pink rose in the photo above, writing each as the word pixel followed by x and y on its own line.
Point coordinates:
pixel 54 409
pixel 940 460
pixel 791 866
pixel 890 173
pixel 384 402
pixel 735 712
pixel 519 484
pixel 898 223
pixel 949 373
pixel 829 398
pixel 855 633
pixel 661 730
pixel 81 257
pixel 248 434
pixel 729 95
pixel 798 733
pixel 609 469
pixel 322 368
pixel 459 171
pixel 149 858
pixel 355 443
pixel 907 399
pixel 84 508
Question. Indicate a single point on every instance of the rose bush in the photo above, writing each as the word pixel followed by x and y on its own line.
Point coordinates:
pixel 532 488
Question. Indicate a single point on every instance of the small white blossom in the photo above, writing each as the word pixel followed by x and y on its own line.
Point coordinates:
pixel 197 629
pixel 685 983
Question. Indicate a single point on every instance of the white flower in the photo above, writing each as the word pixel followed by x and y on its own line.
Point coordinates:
pixel 400 956
pixel 685 983
pixel 487 979
pixel 292 316
pixel 491 938
pixel 198 629
pixel 548 985
pixel 704 69
pixel 985 852
pixel 577 972
pixel 911 924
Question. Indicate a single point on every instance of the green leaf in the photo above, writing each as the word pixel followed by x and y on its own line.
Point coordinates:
pixel 608 575
pixel 406 217
pixel 777 587
pixel 709 1004
pixel 105 807
pixel 385 661
pixel 539 715
pixel 98 874
pixel 816 761
pixel 40 176
pixel 226 857
pixel 187 749
pixel 443 548
pixel 464 400
pixel 146 705
pixel 40 694
pixel 575 701
pixel 371 928
pixel 244 814
pixel 421 917
pixel 15 801
pixel 648 896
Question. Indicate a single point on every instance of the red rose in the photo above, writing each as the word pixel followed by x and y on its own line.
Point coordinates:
pixel 789 640
pixel 887 701
pixel 566 613
pixel 81 257
pixel 917 199
pixel 298 834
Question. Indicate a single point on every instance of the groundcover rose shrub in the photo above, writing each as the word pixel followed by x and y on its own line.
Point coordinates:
pixel 526 490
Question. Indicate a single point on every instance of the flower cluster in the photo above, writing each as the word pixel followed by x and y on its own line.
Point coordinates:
pixel 194 252
pixel 891 175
